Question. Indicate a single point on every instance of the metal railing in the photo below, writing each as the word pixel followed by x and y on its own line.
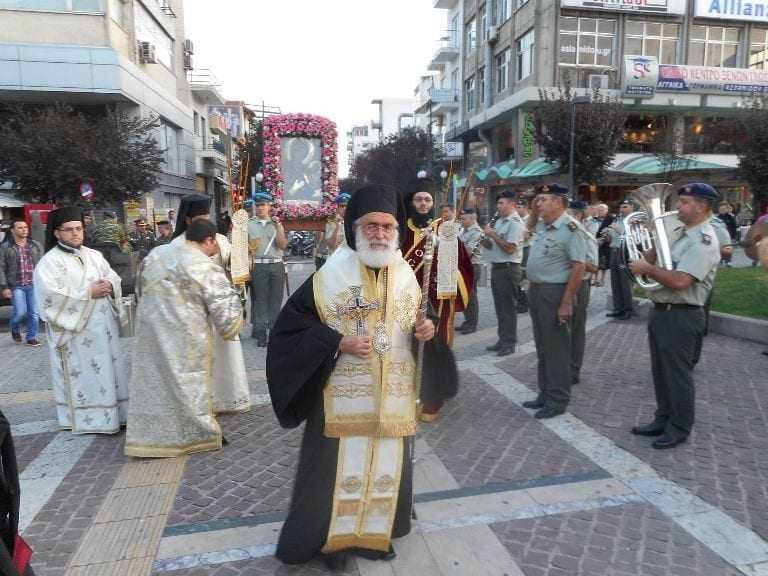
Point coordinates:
pixel 443 95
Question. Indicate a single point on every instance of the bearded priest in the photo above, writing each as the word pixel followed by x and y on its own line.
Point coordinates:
pixel 355 327
pixel 451 277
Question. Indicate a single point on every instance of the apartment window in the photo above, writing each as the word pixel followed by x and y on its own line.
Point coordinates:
pixel 471 36
pixel 758 49
pixel 521 3
pixel 481 85
pixel 54 5
pixel 148 30
pixel 714 46
pixel 484 22
pixel 169 141
pixel 587 41
pixel 455 79
pixel 454 31
pixel 525 55
pixel 502 70
pixel 504 10
pixel 469 93
pixel 653 39
pixel 196 122
pixel 203 132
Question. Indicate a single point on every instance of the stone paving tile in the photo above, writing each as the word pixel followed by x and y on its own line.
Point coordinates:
pixel 252 475
pixel 723 461
pixel 262 566
pixel 58 528
pixel 630 540
pixel 28 447
pixel 481 437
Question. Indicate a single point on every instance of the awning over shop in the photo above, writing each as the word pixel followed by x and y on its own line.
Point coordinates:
pixel 539 167
pixel 10 201
pixel 653 164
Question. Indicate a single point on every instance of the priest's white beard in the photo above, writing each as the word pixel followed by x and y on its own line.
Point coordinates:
pixel 375 253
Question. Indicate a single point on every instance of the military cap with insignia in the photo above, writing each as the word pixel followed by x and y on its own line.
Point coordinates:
pixel 505 194
pixel 554 188
pixel 699 190
pixel 261 197
pixel 342 198
pixel 577 205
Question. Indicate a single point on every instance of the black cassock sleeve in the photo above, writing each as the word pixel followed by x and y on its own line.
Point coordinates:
pixel 301 355
pixel 439 376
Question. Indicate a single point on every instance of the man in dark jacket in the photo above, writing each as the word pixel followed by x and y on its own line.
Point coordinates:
pixel 18 258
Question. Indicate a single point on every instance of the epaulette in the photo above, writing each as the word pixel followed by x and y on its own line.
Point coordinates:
pixel 572 226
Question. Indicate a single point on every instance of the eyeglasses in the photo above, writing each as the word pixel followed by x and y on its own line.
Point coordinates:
pixel 70 230
pixel 373 228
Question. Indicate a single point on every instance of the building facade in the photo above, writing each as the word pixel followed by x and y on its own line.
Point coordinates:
pixel 702 57
pixel 361 139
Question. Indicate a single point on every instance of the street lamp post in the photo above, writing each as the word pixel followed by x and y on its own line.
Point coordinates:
pixel 572 150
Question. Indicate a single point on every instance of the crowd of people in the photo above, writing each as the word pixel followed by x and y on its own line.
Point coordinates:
pixel 363 349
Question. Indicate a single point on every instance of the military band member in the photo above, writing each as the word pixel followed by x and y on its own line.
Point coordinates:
pixel 621 283
pixel 578 210
pixel 142 240
pixel 470 235
pixel 266 242
pixel 555 270
pixel 505 254
pixel 677 320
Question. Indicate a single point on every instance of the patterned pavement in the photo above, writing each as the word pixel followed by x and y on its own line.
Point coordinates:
pixel 489 465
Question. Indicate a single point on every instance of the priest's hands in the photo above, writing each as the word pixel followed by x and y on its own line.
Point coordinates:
pixel 101 288
pixel 424 330
pixel 360 346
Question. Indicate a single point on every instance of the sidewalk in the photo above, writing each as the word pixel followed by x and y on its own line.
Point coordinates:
pixel 498 492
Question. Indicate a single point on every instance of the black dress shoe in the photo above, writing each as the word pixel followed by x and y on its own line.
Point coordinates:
pixel 505 351
pixel 667 441
pixel 548 412
pixel 533 404
pixel 614 314
pixel 652 429
pixel 369 554
pixel 336 561
pixel 495 348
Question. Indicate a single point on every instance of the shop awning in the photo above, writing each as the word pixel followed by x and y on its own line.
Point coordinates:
pixel 539 167
pixel 10 201
pixel 653 164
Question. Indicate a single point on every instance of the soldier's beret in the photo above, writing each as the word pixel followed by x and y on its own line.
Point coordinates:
pixel 699 190
pixel 505 194
pixel 260 197
pixel 577 205
pixel 342 198
pixel 554 188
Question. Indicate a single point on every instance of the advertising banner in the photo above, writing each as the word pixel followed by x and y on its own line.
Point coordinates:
pixel 641 74
pixel 651 6
pixel 732 10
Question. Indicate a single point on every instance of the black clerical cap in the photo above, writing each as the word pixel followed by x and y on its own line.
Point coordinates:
pixel 422 182
pixel 58 217
pixel 373 198
pixel 191 205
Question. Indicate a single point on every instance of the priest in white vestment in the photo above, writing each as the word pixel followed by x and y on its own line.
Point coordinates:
pixel 186 299
pixel 79 297
pixel 230 381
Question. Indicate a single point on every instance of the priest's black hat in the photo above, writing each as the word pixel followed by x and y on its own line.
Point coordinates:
pixel 372 198
pixel 423 182
pixel 191 205
pixel 58 217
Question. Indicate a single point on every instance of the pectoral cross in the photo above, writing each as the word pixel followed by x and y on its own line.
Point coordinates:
pixel 358 308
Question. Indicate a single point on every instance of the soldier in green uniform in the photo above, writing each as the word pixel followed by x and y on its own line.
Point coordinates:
pixel 109 232
pixel 142 240
pixel 556 266
pixel 266 242
pixel 621 283
pixel 578 210
pixel 164 233
pixel 726 253
pixel 677 320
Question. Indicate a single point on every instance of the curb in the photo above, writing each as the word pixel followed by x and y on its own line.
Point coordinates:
pixel 730 325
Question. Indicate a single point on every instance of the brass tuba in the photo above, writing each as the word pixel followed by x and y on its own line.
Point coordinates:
pixel 645 228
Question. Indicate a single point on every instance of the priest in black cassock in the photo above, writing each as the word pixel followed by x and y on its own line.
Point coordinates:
pixel 342 356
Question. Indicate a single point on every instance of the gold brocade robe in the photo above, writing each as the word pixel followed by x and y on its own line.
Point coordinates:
pixel 185 297
pixel 370 405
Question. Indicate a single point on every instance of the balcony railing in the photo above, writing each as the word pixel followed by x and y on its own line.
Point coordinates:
pixel 443 95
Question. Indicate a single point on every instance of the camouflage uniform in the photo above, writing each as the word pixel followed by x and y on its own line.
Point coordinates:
pixel 142 242
pixel 110 233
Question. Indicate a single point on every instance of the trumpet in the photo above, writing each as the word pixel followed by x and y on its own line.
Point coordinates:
pixel 483 237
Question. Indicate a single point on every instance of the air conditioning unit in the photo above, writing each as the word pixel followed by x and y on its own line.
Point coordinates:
pixel 598 81
pixel 147 53
pixel 188 46
pixel 493 34
pixel 188 61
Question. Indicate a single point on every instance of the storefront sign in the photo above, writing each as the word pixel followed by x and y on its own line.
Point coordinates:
pixel 652 6
pixel 732 10
pixel 643 76
pixel 528 140
pixel 640 76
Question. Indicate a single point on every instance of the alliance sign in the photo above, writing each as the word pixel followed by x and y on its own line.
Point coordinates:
pixel 644 76
pixel 652 6
pixel 732 10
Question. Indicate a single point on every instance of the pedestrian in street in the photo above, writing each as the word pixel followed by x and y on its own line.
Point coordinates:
pixel 470 235
pixel 621 282
pixel 604 241
pixel 79 297
pixel 726 216
pixel 676 321
pixel 353 491
pixel 164 233
pixel 504 252
pixel 110 234
pixel 578 210
pixel 18 259
pixel 186 301
pixel 142 240
pixel 555 269
pixel 266 241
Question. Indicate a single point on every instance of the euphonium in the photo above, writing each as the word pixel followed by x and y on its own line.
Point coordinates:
pixel 645 229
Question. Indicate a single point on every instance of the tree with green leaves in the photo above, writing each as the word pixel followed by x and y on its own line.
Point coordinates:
pixel 599 129
pixel 396 161
pixel 753 148
pixel 48 151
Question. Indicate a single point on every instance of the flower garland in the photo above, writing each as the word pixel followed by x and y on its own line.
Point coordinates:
pixel 300 125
